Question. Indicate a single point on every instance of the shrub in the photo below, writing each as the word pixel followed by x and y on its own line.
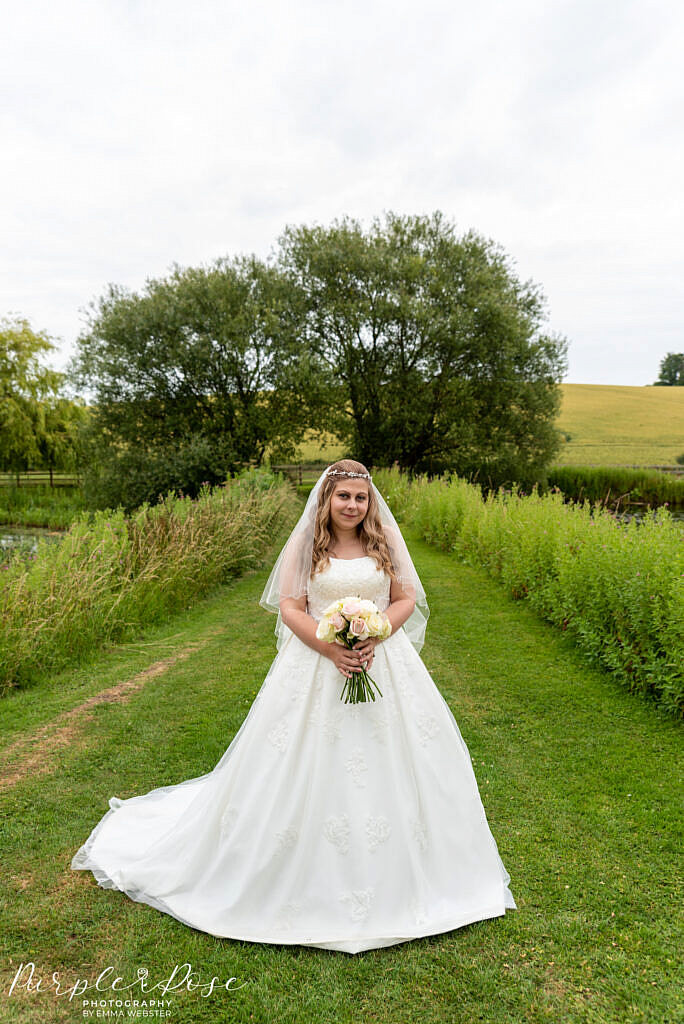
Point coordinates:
pixel 617 588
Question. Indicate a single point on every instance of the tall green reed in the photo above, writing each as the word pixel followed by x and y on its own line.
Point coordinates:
pixel 112 574
pixel 617 589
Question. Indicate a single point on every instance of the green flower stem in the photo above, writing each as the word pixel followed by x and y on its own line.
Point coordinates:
pixel 359 686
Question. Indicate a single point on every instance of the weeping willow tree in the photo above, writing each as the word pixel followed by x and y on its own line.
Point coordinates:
pixel 38 424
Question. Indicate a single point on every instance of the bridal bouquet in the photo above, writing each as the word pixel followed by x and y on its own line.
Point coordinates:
pixel 347 622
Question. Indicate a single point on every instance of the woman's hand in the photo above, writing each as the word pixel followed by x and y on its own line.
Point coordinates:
pixel 346 660
pixel 366 651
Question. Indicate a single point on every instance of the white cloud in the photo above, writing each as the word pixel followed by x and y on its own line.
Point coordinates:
pixel 140 134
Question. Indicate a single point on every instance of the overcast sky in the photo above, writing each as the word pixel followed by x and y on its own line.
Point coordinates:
pixel 136 134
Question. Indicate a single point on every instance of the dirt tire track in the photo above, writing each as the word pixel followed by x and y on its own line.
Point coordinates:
pixel 32 753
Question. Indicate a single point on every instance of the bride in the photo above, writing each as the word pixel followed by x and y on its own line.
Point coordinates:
pixel 329 824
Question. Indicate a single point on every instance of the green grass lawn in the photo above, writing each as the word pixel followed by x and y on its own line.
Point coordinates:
pixel 579 781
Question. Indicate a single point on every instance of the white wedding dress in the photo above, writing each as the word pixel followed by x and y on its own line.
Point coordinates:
pixel 345 827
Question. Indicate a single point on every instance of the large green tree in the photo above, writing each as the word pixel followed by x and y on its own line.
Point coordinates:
pixel 200 372
pixel 431 348
pixel 38 425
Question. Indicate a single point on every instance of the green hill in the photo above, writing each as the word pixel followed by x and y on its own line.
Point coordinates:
pixel 618 425
pixel 607 425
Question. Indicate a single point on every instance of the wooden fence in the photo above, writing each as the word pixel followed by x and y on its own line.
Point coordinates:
pixel 301 472
pixel 33 477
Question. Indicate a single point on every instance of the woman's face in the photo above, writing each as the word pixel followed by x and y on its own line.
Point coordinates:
pixel 349 503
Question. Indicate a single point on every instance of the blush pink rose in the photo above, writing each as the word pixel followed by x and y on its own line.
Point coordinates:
pixel 351 608
pixel 338 621
pixel 357 627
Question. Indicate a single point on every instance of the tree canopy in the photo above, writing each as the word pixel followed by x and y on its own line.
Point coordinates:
pixel 193 377
pixel 671 370
pixel 434 344
pixel 410 343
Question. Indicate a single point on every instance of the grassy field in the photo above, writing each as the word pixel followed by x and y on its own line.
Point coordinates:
pixel 617 425
pixel 578 779
pixel 609 425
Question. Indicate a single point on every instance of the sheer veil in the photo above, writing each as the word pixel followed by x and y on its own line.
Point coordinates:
pixel 290 574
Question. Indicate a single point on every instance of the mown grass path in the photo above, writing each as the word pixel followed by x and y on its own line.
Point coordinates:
pixel 579 781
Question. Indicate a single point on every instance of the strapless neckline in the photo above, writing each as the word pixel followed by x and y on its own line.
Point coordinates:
pixel 341 577
pixel 334 558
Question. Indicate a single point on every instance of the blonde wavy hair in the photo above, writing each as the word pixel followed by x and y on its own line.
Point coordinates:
pixel 369 531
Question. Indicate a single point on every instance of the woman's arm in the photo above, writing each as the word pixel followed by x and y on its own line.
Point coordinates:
pixel 401 605
pixel 294 614
pixel 398 611
pixel 402 595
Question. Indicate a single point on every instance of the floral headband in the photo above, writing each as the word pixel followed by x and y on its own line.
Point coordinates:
pixel 347 472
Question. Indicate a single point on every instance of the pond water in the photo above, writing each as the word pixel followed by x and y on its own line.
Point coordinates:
pixel 638 514
pixel 24 537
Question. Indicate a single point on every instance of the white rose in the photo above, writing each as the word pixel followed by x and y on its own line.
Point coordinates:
pixel 375 623
pixel 325 630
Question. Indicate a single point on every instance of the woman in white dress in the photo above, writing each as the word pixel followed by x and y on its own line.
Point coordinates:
pixel 329 824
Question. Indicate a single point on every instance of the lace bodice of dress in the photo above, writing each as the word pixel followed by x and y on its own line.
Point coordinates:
pixel 345 576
